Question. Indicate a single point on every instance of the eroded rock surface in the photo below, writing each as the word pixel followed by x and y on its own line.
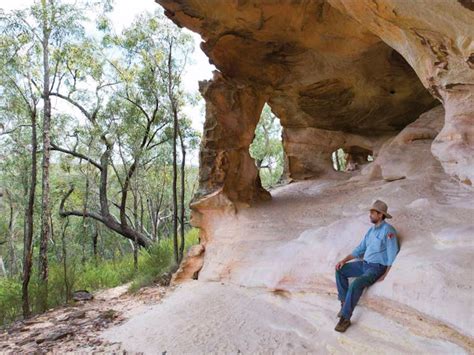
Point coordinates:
pixel 437 39
pixel 392 78
pixel 316 67
pixel 358 67
pixel 267 279
pixel 339 74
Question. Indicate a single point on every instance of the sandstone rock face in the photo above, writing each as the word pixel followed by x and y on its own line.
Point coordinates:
pixel 267 283
pixel 437 39
pixel 348 67
pixel 317 68
pixel 392 78
pixel 338 73
pixel 293 241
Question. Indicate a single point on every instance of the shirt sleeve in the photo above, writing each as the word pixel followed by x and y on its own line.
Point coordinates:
pixel 392 246
pixel 360 249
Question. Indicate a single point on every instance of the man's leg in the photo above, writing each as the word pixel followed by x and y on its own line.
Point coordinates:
pixel 356 288
pixel 351 269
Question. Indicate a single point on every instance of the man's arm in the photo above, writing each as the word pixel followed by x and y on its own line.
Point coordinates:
pixel 360 249
pixel 345 260
pixel 392 251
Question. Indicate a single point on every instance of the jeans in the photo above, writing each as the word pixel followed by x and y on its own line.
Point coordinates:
pixel 365 273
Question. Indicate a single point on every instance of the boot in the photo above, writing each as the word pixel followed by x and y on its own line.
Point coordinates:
pixel 343 324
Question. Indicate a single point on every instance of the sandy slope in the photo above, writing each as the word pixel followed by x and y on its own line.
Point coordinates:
pixel 215 317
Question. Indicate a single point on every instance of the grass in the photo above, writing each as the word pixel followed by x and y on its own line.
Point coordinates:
pixel 152 264
pixel 158 259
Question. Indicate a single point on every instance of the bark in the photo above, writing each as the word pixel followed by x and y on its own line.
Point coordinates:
pixel 12 262
pixel 29 220
pixel 183 189
pixel 336 159
pixel 3 272
pixel 137 223
pixel 95 238
pixel 84 220
pixel 64 257
pixel 175 172
pixel 45 203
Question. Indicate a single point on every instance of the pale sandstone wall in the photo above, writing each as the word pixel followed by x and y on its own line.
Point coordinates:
pixel 355 74
pixel 293 242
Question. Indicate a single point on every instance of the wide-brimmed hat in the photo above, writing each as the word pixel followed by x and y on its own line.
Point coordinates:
pixel 381 207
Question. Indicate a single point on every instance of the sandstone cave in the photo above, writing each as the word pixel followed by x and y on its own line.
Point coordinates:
pixel 389 82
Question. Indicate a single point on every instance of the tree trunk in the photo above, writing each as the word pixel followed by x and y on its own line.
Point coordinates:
pixel 64 257
pixel 45 207
pixel 11 237
pixel 29 220
pixel 84 221
pixel 135 217
pixel 175 172
pixel 3 272
pixel 95 238
pixel 183 189
pixel 336 160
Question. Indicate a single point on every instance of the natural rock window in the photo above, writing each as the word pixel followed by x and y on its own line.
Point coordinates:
pixel 351 159
pixel 267 149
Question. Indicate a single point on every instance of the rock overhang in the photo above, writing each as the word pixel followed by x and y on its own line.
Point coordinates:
pixel 316 66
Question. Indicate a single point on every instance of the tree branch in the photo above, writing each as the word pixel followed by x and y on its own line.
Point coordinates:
pixel 76 154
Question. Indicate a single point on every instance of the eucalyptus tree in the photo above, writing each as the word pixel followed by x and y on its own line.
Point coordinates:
pixel 19 112
pixel 42 31
pixel 167 48
pixel 129 109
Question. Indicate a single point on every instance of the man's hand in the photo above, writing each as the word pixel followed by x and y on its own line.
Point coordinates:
pixel 343 261
pixel 340 264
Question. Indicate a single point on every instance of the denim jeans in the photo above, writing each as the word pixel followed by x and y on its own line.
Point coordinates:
pixel 365 273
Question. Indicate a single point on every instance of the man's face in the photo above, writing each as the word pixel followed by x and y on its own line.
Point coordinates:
pixel 375 216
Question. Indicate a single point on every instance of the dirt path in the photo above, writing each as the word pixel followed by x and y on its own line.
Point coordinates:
pixel 76 328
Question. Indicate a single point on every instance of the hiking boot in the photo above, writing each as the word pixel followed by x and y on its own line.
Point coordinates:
pixel 343 324
pixel 339 315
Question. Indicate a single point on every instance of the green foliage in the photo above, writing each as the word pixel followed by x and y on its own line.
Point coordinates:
pixel 267 149
pixel 339 158
pixel 10 299
pixel 152 264
pixel 158 260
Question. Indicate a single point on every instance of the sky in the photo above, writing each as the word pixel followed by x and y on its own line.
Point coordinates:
pixel 122 16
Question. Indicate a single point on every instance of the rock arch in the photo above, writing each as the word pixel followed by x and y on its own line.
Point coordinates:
pixel 336 73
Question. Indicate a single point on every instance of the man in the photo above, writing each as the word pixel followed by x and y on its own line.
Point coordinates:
pixel 379 249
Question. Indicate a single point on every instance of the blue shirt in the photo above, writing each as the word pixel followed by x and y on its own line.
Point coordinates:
pixel 380 244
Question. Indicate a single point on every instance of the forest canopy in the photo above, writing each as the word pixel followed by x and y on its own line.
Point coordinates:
pixel 95 175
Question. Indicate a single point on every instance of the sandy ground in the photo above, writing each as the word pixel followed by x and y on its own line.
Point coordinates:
pixel 214 317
